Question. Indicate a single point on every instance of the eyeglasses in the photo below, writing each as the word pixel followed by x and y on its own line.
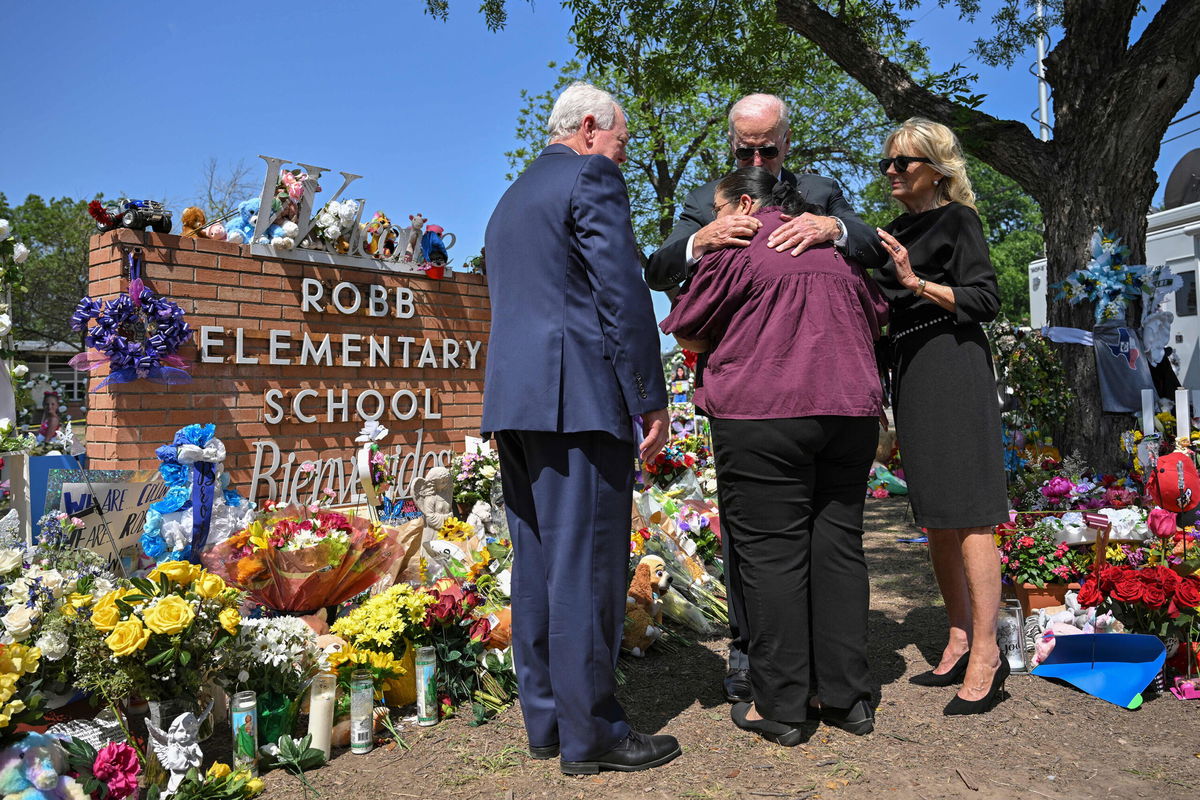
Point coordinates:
pixel 746 153
pixel 902 163
pixel 716 207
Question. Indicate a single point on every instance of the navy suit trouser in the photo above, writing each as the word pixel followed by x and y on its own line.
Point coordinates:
pixel 568 498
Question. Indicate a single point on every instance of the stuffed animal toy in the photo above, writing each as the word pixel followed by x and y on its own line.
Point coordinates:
pixel 639 631
pixel 381 238
pixel 650 582
pixel 240 229
pixel 216 232
pixel 433 249
pixel 414 236
pixel 35 768
pixel 194 222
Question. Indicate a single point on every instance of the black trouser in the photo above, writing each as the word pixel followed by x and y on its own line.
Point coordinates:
pixel 792 494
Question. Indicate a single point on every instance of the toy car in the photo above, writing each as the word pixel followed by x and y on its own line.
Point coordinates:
pixel 136 214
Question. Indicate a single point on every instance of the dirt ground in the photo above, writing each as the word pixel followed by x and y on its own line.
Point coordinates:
pixel 1045 740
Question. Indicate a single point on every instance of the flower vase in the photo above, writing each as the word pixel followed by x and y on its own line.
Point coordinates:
pixel 1034 597
pixel 276 716
pixel 403 691
pixel 163 712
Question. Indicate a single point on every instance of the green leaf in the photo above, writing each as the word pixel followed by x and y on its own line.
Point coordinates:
pixel 158 659
pixel 454 655
pixel 142 585
pixel 185 657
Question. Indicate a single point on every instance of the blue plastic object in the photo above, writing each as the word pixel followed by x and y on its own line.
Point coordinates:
pixel 1112 666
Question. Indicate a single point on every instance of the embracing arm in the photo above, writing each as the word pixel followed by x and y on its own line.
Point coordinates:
pixel 668 266
pixel 862 245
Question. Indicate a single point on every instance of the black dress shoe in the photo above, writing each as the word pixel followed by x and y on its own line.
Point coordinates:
pixel 635 752
pixel 543 753
pixel 858 719
pixel 959 707
pixel 737 686
pixel 955 675
pixel 778 732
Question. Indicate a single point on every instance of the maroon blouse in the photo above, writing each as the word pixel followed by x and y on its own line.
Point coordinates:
pixel 789 336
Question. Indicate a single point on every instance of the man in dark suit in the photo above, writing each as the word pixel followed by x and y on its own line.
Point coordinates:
pixel 573 360
pixel 759 136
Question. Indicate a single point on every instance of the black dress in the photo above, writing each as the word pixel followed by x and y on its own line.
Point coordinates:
pixel 944 388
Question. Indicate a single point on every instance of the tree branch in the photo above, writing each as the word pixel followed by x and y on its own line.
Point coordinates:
pixel 1007 145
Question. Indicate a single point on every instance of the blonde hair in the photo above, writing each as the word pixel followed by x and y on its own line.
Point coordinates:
pixel 935 141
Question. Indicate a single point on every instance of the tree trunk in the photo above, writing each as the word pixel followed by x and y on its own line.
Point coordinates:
pixel 1082 198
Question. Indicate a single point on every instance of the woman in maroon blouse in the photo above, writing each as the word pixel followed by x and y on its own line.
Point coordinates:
pixel 793 394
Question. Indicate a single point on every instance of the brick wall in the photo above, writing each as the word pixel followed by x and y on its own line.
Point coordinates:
pixel 222 284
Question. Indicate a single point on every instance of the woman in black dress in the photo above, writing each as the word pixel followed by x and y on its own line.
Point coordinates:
pixel 941 286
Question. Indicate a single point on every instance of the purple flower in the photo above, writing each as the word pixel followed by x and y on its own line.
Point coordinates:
pixel 1057 487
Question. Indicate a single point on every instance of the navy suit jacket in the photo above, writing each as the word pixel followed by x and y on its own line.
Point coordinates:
pixel 574 344
pixel 668 267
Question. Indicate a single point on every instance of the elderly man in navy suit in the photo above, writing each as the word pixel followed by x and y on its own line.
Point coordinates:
pixel 573 363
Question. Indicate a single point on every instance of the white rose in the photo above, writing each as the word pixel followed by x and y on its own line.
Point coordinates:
pixel 5 324
pixel 5 229
pixel 20 253
pixel 6 424
pixel 53 644
pixel 19 622
pixel 488 471
pixel 52 579
pixel 10 559
pixel 20 371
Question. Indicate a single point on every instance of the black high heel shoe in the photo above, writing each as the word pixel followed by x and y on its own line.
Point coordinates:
pixel 955 675
pixel 959 707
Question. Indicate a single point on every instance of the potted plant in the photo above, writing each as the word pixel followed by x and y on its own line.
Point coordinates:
pixel 1040 568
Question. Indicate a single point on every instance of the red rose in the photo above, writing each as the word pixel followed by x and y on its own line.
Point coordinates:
pixel 1090 595
pixel 1109 575
pixel 1167 577
pixel 1128 589
pixel 1154 595
pixel 481 630
pixel 443 609
pixel 1187 593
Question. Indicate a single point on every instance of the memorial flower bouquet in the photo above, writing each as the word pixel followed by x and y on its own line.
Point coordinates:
pixel 474 475
pixel 1148 599
pixel 303 558
pixel 20 701
pixel 388 621
pixel 160 637
pixel 43 590
pixel 274 655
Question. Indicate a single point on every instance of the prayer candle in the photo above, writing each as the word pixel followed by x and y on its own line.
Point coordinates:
pixel 320 711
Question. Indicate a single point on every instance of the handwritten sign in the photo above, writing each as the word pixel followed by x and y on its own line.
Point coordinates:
pixel 122 506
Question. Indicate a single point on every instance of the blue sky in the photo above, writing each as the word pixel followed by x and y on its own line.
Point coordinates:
pixel 135 101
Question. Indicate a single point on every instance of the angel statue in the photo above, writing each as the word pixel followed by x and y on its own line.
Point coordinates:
pixel 178 749
pixel 433 492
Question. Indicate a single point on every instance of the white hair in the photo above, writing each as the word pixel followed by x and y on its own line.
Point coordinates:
pixel 758 105
pixel 577 101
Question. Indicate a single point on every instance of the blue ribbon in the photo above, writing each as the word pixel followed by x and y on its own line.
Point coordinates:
pixel 204 476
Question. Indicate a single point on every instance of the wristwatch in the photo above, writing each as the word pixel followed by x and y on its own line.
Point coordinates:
pixel 920 290
pixel 843 234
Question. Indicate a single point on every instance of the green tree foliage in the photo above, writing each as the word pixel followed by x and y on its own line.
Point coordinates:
pixel 677 116
pixel 57 233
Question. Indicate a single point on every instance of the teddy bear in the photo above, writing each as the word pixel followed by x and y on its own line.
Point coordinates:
pixel 35 768
pixel 194 222
pixel 414 236
pixel 240 230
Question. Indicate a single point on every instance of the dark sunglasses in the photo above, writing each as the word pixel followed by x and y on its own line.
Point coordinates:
pixel 747 153
pixel 902 163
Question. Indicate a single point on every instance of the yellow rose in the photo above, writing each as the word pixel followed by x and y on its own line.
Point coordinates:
pixel 254 786
pixel 127 637
pixel 75 601
pixel 209 585
pixel 106 615
pixel 170 615
pixel 219 769
pixel 230 620
pixel 180 572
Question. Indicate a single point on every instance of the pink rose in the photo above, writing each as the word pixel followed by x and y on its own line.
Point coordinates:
pixel 1162 523
pixel 117 765
pixel 1056 487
